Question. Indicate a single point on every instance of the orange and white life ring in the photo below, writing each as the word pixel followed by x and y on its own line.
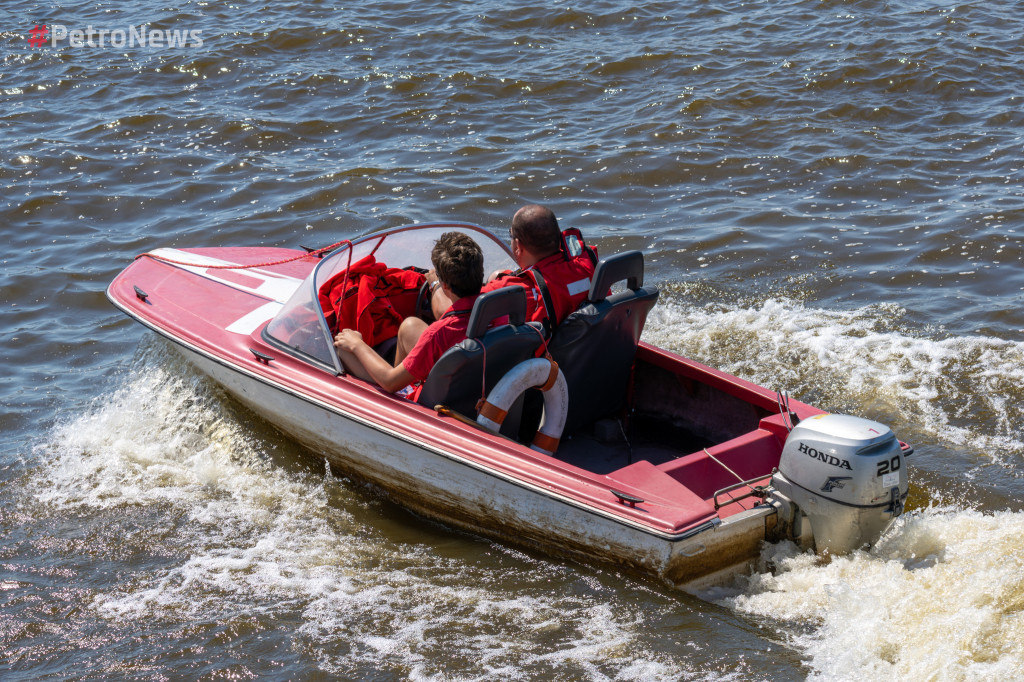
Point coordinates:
pixel 538 373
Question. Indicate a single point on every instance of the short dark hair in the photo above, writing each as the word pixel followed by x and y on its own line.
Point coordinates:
pixel 536 228
pixel 459 263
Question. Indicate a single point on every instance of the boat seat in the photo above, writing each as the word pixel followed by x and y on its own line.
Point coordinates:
pixel 595 346
pixel 387 348
pixel 478 363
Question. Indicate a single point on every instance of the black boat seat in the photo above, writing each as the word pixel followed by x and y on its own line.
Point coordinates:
pixel 455 380
pixel 386 349
pixel 595 346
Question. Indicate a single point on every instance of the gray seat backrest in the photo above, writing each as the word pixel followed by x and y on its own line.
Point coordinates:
pixel 595 346
pixel 475 365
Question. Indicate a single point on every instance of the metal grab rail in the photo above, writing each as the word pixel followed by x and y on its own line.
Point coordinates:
pixel 758 491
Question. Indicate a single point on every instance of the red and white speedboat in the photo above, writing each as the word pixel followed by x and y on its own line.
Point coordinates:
pixel 664 465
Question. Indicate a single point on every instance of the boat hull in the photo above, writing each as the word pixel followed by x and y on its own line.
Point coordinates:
pixel 456 491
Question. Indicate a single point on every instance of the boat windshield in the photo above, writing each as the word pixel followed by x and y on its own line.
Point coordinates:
pixel 300 326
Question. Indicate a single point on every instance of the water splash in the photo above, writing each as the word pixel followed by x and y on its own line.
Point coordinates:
pixel 963 392
pixel 223 534
pixel 247 541
pixel 940 597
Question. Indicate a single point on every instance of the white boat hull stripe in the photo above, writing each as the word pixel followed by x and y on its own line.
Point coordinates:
pixel 247 324
pixel 271 285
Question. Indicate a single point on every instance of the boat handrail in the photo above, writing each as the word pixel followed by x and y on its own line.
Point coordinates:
pixel 758 491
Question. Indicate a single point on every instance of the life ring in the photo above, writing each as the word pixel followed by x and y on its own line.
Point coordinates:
pixel 543 374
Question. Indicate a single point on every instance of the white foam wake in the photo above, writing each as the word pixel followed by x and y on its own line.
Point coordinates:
pixel 942 595
pixel 964 392
pixel 238 537
pixel 941 598
pixel 243 536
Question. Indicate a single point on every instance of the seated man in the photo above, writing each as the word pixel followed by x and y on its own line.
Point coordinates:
pixel 537 247
pixel 459 264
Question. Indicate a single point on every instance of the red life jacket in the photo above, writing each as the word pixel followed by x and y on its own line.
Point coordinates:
pixel 556 285
pixel 371 298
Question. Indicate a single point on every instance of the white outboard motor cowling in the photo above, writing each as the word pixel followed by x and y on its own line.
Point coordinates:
pixel 846 476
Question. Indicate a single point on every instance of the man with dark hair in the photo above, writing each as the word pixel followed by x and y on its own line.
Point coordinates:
pixel 459 264
pixel 556 282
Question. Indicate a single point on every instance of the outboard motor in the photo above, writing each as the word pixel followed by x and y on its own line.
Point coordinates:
pixel 843 475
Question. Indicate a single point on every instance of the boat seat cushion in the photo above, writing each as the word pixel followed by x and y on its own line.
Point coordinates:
pixel 470 369
pixel 495 305
pixel 595 346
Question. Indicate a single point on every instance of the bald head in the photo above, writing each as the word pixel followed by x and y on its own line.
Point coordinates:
pixel 536 228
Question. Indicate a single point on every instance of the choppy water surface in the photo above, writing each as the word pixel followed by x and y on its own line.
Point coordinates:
pixel 829 195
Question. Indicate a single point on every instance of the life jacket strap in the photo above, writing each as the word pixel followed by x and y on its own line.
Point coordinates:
pixel 549 304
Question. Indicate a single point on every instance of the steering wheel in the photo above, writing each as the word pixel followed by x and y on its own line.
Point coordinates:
pixel 424 310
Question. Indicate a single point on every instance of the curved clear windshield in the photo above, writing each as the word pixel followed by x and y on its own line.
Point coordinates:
pixel 300 326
